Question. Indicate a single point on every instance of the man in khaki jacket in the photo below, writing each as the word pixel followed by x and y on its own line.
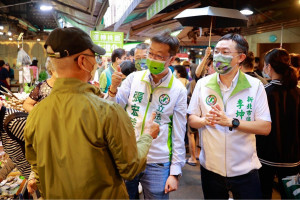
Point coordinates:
pixel 79 145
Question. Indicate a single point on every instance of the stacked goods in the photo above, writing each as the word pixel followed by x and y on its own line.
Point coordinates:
pixel 14 103
pixel 10 186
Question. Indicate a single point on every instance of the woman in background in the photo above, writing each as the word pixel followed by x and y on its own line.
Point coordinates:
pixel 181 73
pixel 247 66
pixel 279 152
pixel 42 90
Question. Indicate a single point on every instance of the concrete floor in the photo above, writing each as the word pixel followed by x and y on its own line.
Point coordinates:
pixel 190 184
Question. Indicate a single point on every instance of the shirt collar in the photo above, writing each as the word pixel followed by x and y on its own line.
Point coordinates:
pixel 233 82
pixel 160 81
pixel 242 84
pixel 165 82
pixel 277 82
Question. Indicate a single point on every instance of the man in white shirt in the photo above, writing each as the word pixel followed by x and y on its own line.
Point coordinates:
pixel 156 90
pixel 229 108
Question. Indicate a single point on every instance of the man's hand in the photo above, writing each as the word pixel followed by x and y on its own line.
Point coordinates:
pixel 218 116
pixel 116 79
pixel 96 84
pixel 171 184
pixel 31 186
pixel 151 127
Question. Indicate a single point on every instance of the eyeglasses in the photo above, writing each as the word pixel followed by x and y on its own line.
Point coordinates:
pixel 225 52
pixel 97 57
pixel 152 55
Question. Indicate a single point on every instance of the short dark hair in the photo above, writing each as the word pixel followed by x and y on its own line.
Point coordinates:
pixel 248 63
pixel 295 60
pixel 34 63
pixel 181 70
pixel 166 38
pixel 142 46
pixel 117 53
pixel 177 59
pixel 242 45
pixel 2 63
pixel 131 52
pixel 127 67
pixel 279 59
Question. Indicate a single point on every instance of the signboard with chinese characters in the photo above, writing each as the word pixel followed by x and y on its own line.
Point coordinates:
pixel 108 40
pixel 157 6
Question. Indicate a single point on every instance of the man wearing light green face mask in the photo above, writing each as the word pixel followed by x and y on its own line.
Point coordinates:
pixel 156 90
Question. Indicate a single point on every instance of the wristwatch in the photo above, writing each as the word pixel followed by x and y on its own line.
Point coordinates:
pixel 235 123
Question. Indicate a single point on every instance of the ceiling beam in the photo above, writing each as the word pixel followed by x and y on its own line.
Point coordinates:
pixel 17 4
pixel 78 5
pixel 72 7
pixel 22 23
pixel 75 13
pixel 93 7
pixel 102 10
pixel 88 23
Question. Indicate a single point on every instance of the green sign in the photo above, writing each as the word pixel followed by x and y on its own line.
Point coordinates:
pixel 157 6
pixel 108 40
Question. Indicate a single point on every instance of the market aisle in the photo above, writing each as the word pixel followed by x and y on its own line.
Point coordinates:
pixel 190 184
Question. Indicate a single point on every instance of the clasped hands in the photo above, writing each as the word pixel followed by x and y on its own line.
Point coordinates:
pixel 217 116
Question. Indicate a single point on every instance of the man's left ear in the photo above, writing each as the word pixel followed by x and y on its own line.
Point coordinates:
pixel 171 60
pixel 242 58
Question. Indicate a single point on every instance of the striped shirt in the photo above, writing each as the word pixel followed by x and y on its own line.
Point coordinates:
pixel 11 145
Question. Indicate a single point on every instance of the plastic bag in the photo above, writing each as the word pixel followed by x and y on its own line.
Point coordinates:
pixel 23 58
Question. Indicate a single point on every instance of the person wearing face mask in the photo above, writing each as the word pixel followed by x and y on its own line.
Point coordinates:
pixel 156 90
pixel 279 152
pixel 79 145
pixel 229 108
pixel 140 56
pixel 117 56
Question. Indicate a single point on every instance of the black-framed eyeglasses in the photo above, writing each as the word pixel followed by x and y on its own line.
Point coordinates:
pixel 225 52
pixel 97 57
pixel 152 55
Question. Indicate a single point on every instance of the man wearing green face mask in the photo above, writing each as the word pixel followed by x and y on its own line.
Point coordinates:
pixel 230 108
pixel 140 56
pixel 156 90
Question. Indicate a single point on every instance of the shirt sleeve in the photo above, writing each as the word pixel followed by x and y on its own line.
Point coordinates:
pixel 179 128
pixel 30 154
pixel 194 106
pixel 130 156
pixel 123 91
pixel 262 111
pixel 103 81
